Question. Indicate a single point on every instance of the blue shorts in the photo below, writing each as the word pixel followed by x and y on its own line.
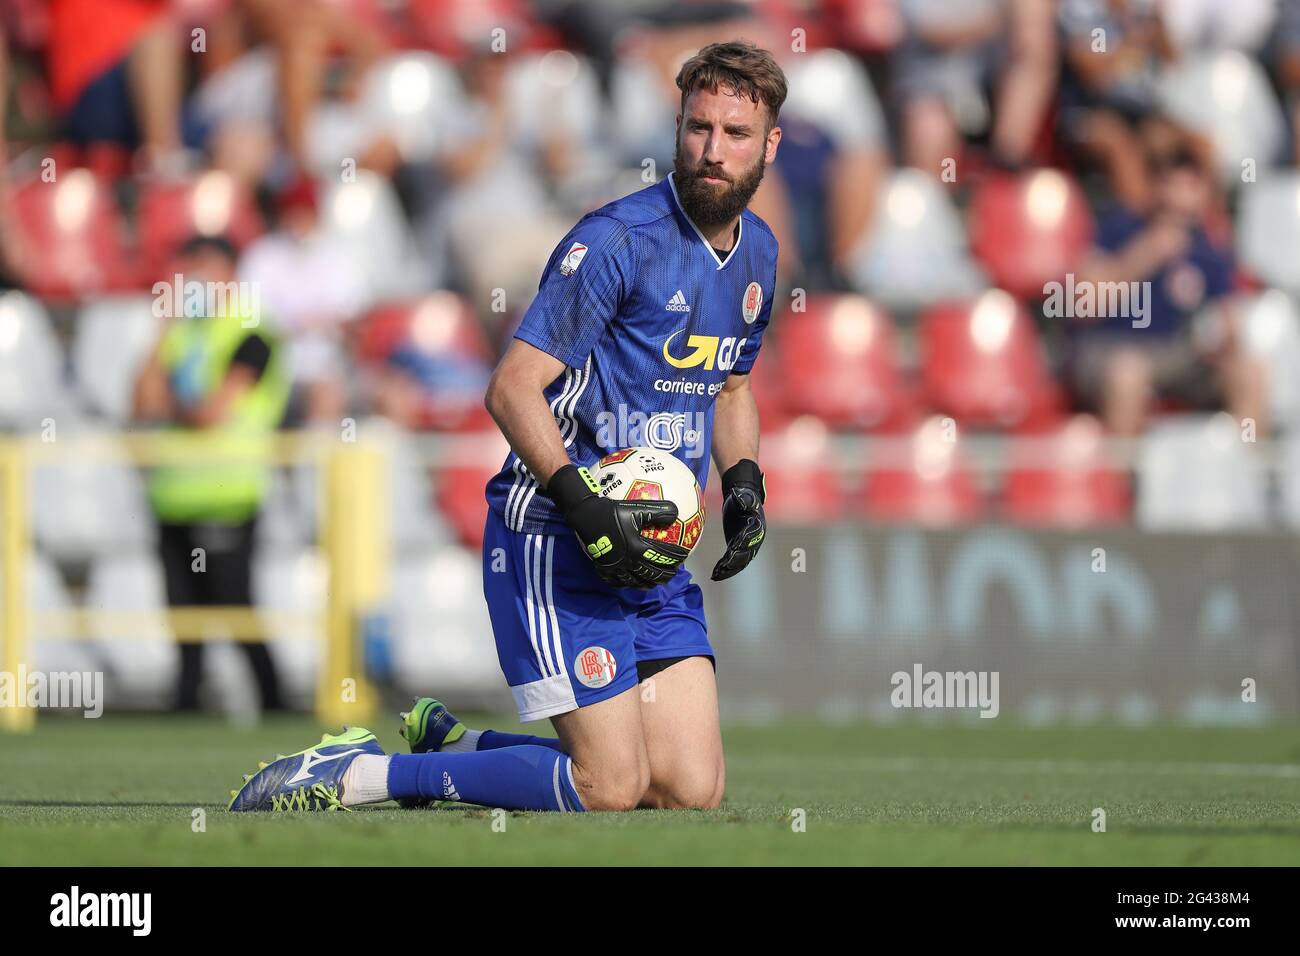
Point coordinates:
pixel 565 638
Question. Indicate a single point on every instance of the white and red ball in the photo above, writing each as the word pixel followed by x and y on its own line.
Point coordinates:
pixel 650 474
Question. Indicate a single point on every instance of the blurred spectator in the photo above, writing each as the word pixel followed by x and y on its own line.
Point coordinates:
pixel 213 376
pixel 1288 67
pixel 116 76
pixel 267 68
pixel 309 284
pixel 1122 369
pixel 1113 52
pixel 502 156
pixel 963 70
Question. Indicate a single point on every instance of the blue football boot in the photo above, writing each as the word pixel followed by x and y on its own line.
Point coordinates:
pixel 308 780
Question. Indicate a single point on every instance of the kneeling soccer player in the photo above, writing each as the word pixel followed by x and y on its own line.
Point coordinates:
pixel 651 311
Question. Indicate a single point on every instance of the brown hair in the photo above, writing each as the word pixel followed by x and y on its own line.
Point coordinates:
pixel 740 68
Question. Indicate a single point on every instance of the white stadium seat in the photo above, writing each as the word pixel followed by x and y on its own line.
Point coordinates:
pixel 1268 229
pixel 113 338
pixel 1226 95
pixel 915 251
pixel 31 363
pixel 1195 473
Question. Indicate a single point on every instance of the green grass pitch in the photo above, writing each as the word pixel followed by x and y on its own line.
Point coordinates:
pixel 123 790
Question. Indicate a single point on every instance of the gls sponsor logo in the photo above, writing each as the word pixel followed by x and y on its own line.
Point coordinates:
pixel 707 350
pixel 666 431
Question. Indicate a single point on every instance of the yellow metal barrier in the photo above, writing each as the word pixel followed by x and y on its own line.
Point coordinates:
pixel 354 537
pixel 14 545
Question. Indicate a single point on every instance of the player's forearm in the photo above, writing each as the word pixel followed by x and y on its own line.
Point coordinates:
pixel 735 427
pixel 525 419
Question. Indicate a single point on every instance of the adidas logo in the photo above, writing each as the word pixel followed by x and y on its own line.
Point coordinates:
pixel 678 303
pixel 448 788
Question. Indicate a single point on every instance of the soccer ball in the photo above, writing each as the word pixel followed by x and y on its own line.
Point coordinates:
pixel 646 473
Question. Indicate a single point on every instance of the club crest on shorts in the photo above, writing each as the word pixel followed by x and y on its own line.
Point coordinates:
pixel 595 667
pixel 752 303
pixel 572 259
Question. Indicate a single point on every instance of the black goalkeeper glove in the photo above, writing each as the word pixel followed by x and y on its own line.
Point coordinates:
pixel 610 531
pixel 743 523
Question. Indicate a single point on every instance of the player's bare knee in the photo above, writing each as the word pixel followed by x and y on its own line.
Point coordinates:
pixel 612 787
pixel 696 789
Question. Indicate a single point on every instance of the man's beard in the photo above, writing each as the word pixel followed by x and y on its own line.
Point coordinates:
pixel 709 204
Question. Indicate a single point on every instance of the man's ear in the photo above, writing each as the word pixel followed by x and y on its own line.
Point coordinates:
pixel 773 138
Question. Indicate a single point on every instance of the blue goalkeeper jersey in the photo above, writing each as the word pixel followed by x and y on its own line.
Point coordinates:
pixel 649 320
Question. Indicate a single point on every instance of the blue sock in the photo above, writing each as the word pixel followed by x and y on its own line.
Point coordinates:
pixel 514 778
pixel 495 740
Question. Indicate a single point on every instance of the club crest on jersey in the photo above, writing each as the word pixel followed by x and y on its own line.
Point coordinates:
pixel 572 259
pixel 595 667
pixel 752 303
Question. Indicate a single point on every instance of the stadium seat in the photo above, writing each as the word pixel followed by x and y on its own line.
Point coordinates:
pixel 439 323
pixel 840 362
pixel 405 95
pixel 438 342
pixel 832 90
pixel 767 382
pixel 441 633
pixel 983 363
pixel 1268 229
pixel 73 235
pixel 803 485
pixel 47 592
pixel 112 339
pixel 1271 333
pixel 864 26
pixel 31 363
pixel 1029 229
pixel 1227 96
pixel 89 504
pixel 1064 479
pixel 139 657
pixel 288 513
pixel 213 203
pixel 365 217
pixel 292 581
pixel 924 479
pixel 1196 474
pixel 915 251
pixel 455 29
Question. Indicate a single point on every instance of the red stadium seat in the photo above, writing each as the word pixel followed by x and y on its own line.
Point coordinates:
pixel 802 484
pixel 765 381
pixel 932 486
pixel 1030 229
pixel 841 364
pixel 73 236
pixel 864 26
pixel 439 328
pixel 460 495
pixel 1064 479
pixel 441 322
pixel 210 204
pixel 982 362
pixel 455 29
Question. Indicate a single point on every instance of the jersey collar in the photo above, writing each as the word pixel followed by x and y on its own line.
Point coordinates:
pixel 740 230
